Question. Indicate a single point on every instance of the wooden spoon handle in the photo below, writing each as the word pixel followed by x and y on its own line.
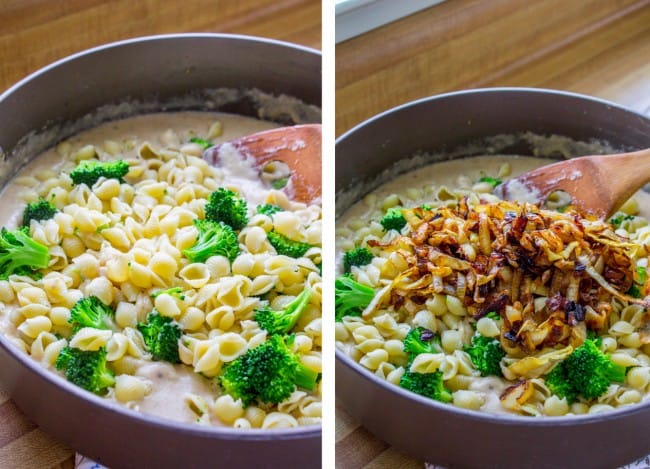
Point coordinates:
pixel 617 177
pixel 597 184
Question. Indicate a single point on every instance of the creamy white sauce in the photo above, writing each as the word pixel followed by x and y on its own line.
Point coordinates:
pixel 170 386
pixel 491 388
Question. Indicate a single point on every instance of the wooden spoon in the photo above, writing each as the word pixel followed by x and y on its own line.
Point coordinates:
pixel 299 147
pixel 597 184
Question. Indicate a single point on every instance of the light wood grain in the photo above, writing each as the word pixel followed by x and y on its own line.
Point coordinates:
pixel 34 33
pixel 471 43
pixel 35 450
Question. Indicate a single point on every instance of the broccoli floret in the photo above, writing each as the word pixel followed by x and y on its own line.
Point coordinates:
pixel 89 171
pixel 86 368
pixel 560 385
pixel 39 210
pixel 287 247
pixel 493 315
pixel 176 292
pixel 281 322
pixel 161 335
pixel 426 384
pixel 587 372
pixel 641 275
pixel 491 181
pixel 634 291
pixel 357 256
pixel 619 218
pixel 91 312
pixel 20 254
pixel 486 354
pixel 280 183
pixel 268 373
pixel 227 207
pixel 393 219
pixel 214 239
pixel 350 297
pixel 637 288
pixel 202 142
pixel 269 209
pixel 421 340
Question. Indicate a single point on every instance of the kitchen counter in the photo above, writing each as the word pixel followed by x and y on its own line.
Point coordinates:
pixel 37 32
pixel 585 46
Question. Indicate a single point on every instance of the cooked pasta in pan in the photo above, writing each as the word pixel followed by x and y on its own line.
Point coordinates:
pixel 141 273
pixel 491 305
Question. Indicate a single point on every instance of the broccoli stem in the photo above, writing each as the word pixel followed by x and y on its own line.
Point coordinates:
pixel 281 322
pixel 305 377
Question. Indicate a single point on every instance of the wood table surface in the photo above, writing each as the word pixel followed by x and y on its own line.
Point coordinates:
pixel 34 33
pixel 595 47
pixel 586 46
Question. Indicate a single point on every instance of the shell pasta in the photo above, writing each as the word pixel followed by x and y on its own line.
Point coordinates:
pixel 145 248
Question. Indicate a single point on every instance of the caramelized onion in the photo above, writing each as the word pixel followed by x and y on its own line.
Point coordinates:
pixel 501 257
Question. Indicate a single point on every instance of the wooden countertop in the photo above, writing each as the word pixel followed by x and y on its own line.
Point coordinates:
pixel 586 46
pixel 34 33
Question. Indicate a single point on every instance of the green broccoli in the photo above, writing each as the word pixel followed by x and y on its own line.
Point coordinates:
pixel 280 183
pixel 39 210
pixel 176 292
pixel 91 312
pixel 350 297
pixel 490 180
pixel 227 207
pixel 202 142
pixel 161 335
pixel 421 340
pixel 493 315
pixel 486 354
pixel 619 218
pixel 214 239
pixel 287 247
pixel 20 254
pixel 393 219
pixel 269 209
pixel 268 373
pixel 560 385
pixel 357 256
pixel 426 384
pixel 281 322
pixel 89 171
pixel 637 288
pixel 86 368
pixel 634 291
pixel 587 372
